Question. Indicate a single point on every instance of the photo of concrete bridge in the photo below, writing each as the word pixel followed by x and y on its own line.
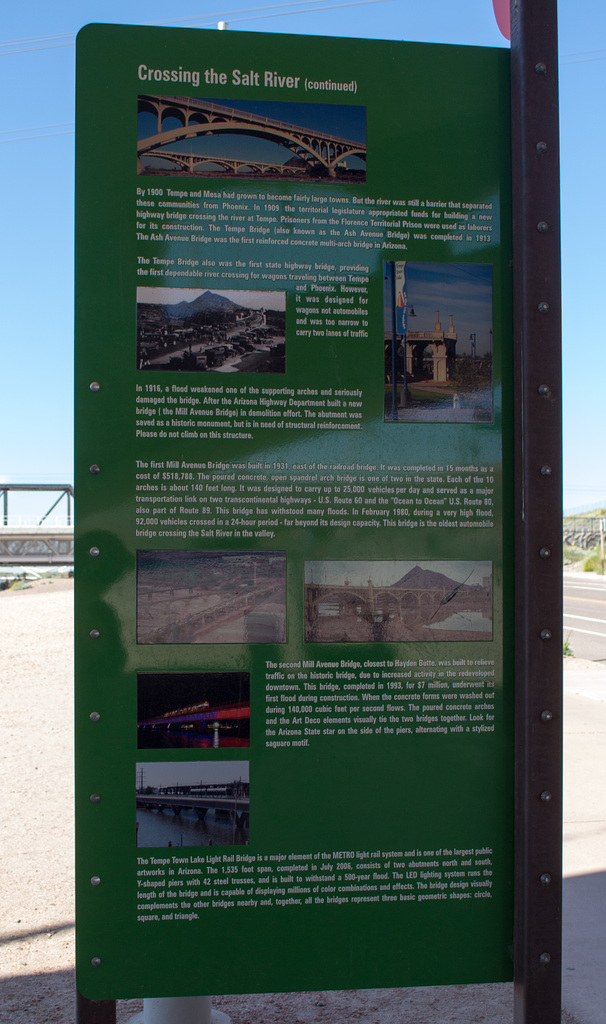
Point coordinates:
pixel 177 136
pixel 397 601
pixel 191 597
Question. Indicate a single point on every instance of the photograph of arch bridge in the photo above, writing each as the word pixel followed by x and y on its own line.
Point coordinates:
pixel 191 137
pixel 397 601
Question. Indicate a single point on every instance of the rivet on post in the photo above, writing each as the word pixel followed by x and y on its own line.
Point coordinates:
pixel 545 553
pixel 545 634
pixel 95 469
pixel 94 552
pixel 541 147
pixel 544 390
pixel 95 386
pixel 94 716
pixel 95 798
pixel 545 470
pixel 545 878
pixel 94 634
pixel 545 958
pixel 95 880
pixel 542 226
pixel 95 961
pixel 543 307
pixel 546 716
pixel 545 796
pixel 540 68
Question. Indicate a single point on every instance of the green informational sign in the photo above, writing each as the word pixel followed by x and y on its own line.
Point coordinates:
pixel 294 611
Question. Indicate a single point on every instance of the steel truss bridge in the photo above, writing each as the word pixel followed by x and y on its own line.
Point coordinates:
pixel 319 151
pixel 40 543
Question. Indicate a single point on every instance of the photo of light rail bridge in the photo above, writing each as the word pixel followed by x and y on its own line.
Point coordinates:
pixel 178 136
pixel 202 805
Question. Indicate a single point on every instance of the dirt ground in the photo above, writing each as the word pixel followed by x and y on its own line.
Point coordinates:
pixel 36 883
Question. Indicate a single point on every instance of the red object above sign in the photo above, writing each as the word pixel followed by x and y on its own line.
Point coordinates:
pixel 502 14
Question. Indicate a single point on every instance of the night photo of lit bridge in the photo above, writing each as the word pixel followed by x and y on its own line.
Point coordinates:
pixel 198 137
pixel 193 710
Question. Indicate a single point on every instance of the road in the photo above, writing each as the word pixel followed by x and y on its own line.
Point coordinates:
pixel 585 615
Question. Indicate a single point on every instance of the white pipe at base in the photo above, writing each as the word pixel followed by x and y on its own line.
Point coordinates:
pixel 180 1010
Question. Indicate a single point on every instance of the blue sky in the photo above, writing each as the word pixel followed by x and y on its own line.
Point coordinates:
pixel 37 140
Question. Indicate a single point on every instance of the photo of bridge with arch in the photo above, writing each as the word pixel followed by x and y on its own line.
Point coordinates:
pixel 397 601
pixel 191 137
pixel 438 339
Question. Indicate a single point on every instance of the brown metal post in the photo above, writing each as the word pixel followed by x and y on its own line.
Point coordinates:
pixel 93 1011
pixel 538 512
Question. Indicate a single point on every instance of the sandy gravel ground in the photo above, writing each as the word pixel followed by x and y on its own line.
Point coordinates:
pixel 36 878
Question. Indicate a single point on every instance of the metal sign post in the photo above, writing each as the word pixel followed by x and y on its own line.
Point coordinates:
pixel 538 517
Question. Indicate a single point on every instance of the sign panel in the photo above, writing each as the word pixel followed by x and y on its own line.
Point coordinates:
pixel 294 614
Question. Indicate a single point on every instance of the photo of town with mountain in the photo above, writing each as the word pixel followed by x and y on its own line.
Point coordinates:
pixel 187 136
pixel 227 331
pixel 358 602
pixel 438 341
pixel 193 710
pixel 192 803
pixel 211 597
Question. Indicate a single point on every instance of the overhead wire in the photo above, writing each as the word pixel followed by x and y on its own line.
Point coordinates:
pixel 251 14
pixel 304 7
pixel 9 46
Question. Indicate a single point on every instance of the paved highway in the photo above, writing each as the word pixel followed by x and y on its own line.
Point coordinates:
pixel 585 615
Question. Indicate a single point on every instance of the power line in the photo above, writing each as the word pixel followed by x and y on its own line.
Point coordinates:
pixel 38 128
pixel 32 49
pixel 305 7
pixel 587 60
pixel 35 39
pixel 580 53
pixel 28 138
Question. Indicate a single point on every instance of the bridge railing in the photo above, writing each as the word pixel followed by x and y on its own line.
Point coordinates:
pixel 255 119
pixel 33 523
